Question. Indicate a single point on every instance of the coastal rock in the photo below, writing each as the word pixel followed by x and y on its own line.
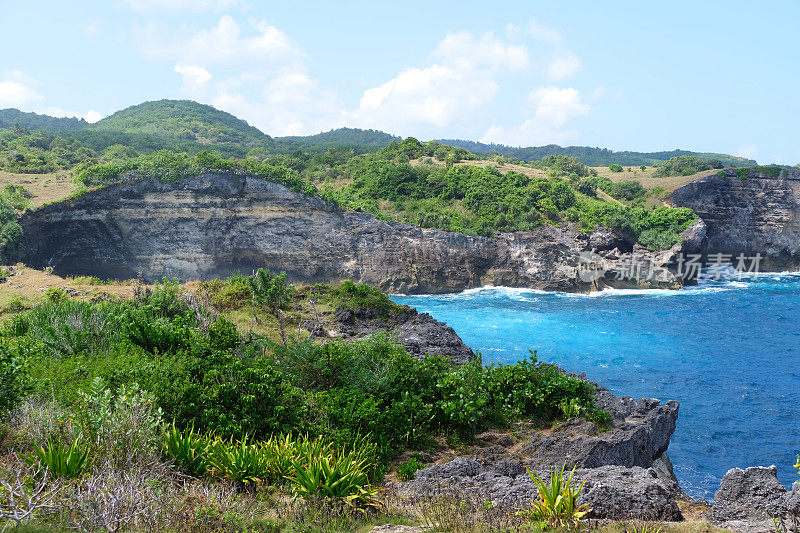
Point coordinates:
pixel 215 225
pixel 755 211
pixel 626 470
pixel 420 333
pixel 641 433
pixel 748 499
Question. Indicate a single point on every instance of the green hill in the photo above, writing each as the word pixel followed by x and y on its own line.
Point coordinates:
pixel 594 157
pixel 10 118
pixel 182 120
pixel 354 138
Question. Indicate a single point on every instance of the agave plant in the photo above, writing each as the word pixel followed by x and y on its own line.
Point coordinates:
pixel 186 450
pixel 240 461
pixel 69 461
pixel 557 505
pixel 337 477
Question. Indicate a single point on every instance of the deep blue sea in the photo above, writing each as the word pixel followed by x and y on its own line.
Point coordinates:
pixel 728 351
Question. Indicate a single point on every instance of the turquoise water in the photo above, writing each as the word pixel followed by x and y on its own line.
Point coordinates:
pixel 729 352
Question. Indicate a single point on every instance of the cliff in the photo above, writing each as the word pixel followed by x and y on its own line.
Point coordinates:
pixel 749 212
pixel 215 225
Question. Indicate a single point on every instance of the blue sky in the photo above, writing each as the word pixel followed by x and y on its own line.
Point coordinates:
pixel 705 76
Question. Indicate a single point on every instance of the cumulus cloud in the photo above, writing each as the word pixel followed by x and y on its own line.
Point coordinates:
pixel 92 116
pixel 564 65
pixel 551 109
pixel 461 82
pixel 16 91
pixel 222 44
pixel 193 76
pixel 181 5
pixel 254 71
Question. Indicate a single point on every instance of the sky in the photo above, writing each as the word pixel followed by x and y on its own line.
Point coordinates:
pixel 711 76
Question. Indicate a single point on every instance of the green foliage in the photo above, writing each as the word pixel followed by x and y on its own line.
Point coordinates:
pixel 187 450
pixel 772 171
pixel 407 470
pixel 68 461
pixel 340 477
pixel 16 196
pixel 14 383
pixel 643 167
pixel 557 506
pixel 10 230
pixel 682 165
pixel 55 295
pixel 242 461
pixel 122 424
pixel 273 293
pixel 615 167
pixel 354 296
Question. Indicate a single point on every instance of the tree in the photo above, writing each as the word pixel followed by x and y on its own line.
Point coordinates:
pixel 615 167
pixel 273 293
pixel 643 167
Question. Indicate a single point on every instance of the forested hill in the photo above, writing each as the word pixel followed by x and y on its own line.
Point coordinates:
pixel 591 156
pixel 357 139
pixel 182 120
pixel 10 118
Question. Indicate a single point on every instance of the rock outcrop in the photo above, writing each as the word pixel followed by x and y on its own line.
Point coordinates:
pixel 626 470
pixel 755 211
pixel 748 500
pixel 215 225
pixel 420 333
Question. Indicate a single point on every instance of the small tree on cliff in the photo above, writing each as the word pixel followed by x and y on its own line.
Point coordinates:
pixel 273 293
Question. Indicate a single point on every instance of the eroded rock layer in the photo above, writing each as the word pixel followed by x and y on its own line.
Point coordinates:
pixel 749 212
pixel 215 225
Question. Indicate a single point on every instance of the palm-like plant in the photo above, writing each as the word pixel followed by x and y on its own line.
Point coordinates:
pixel 340 478
pixel 557 505
pixel 70 461
pixel 241 461
pixel 187 450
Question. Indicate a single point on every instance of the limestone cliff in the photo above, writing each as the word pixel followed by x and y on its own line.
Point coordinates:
pixel 757 212
pixel 219 224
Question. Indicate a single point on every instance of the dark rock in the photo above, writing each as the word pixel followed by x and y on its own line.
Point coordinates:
pixel 215 225
pixel 756 215
pixel 420 333
pixel 640 434
pixel 752 493
pixel 627 472
pixel 617 492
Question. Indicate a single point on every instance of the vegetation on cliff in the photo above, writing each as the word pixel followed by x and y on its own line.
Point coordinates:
pixel 114 389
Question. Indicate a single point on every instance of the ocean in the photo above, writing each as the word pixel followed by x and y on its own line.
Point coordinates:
pixel 728 351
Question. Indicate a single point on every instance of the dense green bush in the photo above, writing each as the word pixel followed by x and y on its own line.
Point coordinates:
pixel 682 165
pixel 615 167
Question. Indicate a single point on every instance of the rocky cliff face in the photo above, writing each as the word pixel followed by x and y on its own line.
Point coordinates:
pixel 757 214
pixel 215 225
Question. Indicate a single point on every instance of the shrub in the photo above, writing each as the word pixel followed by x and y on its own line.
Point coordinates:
pixel 15 304
pixel 55 295
pixel 123 425
pixel 557 506
pixel 69 461
pixel 187 450
pixel 14 382
pixel 244 461
pixel 615 167
pixel 407 470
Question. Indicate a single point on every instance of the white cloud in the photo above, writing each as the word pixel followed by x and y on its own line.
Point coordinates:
pixel 92 116
pixel 465 51
pixel 16 91
pixel 194 77
pixel 460 85
pixel 564 65
pixel 543 33
pixel 222 44
pixel 551 111
pixel 181 5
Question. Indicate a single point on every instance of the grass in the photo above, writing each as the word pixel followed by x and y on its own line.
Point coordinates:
pixel 45 188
